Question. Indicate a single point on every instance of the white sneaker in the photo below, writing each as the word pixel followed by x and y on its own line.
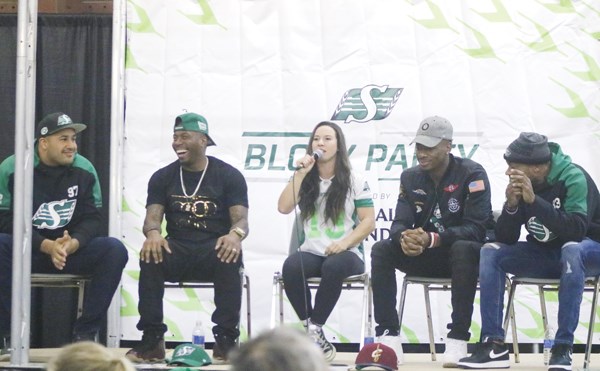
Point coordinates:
pixel 317 335
pixel 395 343
pixel 455 350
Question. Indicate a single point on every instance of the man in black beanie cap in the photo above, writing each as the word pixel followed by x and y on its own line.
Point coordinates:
pixel 559 205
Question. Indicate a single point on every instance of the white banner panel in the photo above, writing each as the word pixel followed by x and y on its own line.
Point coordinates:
pixel 265 72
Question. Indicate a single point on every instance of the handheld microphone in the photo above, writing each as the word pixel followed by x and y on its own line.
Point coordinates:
pixel 316 155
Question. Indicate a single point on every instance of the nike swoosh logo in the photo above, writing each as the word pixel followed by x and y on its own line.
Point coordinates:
pixel 494 355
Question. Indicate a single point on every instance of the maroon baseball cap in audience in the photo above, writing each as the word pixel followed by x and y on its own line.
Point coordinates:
pixel 377 355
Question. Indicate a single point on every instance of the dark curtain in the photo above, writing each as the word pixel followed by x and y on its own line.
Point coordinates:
pixel 73 76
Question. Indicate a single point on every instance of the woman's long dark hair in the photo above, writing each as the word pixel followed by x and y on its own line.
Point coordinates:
pixel 340 184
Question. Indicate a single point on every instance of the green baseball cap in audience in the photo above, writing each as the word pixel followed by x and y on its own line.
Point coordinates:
pixel 189 355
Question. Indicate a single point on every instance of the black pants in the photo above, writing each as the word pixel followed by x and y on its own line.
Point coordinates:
pixel 459 262
pixel 103 258
pixel 191 262
pixel 332 270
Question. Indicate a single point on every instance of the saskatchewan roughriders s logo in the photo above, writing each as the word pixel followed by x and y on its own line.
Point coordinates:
pixel 54 215
pixel 539 231
pixel 371 102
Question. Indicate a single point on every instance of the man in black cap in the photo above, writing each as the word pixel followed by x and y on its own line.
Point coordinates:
pixel 559 205
pixel 66 224
pixel 205 203
pixel 442 214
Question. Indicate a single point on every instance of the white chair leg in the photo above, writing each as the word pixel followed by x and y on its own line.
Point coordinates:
pixel 275 300
pixel 588 345
pixel 543 307
pixel 248 305
pixel 429 322
pixel 402 302
pixel 365 310
pixel 510 317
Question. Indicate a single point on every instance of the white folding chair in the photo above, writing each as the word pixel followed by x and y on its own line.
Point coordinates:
pixel 355 282
pixel 429 284
pixel 544 285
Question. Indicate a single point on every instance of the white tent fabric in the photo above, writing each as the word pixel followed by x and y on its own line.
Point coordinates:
pixel 265 72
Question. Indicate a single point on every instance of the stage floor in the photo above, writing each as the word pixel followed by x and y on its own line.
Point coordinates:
pixel 343 361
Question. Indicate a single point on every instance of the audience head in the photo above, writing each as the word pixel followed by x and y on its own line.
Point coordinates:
pixel 280 349
pixel 88 356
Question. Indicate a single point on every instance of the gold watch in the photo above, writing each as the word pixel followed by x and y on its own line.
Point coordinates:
pixel 239 231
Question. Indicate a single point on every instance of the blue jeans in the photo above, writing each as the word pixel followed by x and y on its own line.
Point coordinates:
pixel 572 263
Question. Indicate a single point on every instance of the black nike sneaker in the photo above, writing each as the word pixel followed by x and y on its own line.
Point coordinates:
pixel 561 358
pixel 488 354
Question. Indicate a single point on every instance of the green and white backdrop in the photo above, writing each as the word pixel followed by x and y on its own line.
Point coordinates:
pixel 264 72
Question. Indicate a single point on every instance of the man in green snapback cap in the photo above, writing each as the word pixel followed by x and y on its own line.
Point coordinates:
pixel 193 122
pixel 204 201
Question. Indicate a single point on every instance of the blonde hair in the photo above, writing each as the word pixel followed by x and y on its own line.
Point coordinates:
pixel 88 356
pixel 280 349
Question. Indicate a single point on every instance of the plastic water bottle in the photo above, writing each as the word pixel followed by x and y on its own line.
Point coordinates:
pixel 198 334
pixel 548 343
pixel 369 339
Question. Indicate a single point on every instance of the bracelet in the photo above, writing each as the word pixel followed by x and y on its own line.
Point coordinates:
pixel 239 232
pixel 433 237
pixel 509 211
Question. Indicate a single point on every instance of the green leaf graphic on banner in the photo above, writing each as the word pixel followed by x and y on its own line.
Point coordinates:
pixel 500 15
pixel 144 25
pixel 546 43
pixel 485 50
pixel 174 329
pixel 126 208
pixel 128 304
pixel 585 323
pixel 437 22
pixel 411 336
pixel 340 337
pixel 536 332
pixel 134 274
pixel 593 72
pixel 563 6
pixel 206 18
pixel 577 110
pixel 130 62
pixel 192 304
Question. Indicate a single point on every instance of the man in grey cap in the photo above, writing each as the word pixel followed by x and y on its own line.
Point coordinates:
pixel 559 205
pixel 66 236
pixel 204 202
pixel 442 214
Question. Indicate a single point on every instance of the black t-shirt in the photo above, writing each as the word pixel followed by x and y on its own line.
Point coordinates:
pixel 204 216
